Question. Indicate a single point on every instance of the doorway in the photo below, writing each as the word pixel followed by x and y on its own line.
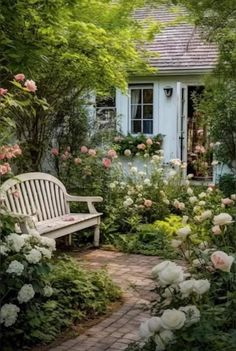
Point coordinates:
pixel 199 155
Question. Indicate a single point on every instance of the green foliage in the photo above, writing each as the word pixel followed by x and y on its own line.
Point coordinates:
pixel 227 184
pixel 148 240
pixel 169 225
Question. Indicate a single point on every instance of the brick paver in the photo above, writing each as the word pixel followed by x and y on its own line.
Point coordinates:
pixel 132 274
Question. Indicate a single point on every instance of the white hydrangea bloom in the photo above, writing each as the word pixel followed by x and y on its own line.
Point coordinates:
pixel 47 291
pixel 49 242
pixel 34 256
pixel 4 250
pixel 147 181
pixel 8 314
pixel 15 267
pixel 26 293
pixel 15 241
pixel 45 252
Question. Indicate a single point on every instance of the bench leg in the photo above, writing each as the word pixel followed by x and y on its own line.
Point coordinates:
pixel 96 235
pixel 68 240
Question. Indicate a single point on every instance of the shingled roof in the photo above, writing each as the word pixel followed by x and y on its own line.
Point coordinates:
pixel 181 46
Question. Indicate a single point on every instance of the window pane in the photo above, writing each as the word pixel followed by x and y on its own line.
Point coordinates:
pixel 136 127
pixel 136 96
pixel 148 96
pixel 147 111
pixel 147 127
pixel 136 112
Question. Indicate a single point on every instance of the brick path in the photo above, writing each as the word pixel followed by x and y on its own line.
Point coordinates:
pixel 132 274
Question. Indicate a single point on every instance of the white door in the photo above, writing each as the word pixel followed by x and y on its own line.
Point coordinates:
pixel 182 121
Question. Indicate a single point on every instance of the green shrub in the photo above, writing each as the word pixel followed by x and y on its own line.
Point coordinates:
pixel 147 241
pixel 169 225
pixel 227 184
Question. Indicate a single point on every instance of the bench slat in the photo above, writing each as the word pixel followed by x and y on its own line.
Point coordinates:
pixel 36 200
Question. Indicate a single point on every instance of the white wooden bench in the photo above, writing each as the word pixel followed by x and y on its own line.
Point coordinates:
pixel 41 201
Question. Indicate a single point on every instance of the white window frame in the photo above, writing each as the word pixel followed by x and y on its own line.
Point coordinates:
pixel 141 87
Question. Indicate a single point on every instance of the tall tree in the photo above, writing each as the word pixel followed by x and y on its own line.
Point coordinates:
pixel 69 47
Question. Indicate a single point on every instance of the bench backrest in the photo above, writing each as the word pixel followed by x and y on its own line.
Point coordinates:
pixel 38 194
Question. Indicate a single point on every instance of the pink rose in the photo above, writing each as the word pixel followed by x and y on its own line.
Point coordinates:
pixel 3 91
pixel 149 141
pixel 92 152
pixel 112 153
pixel 31 86
pixel 141 146
pixel 55 151
pixel 77 161
pixel 147 203
pixel 5 168
pixel 222 261
pixel 216 230
pixel 227 201
pixel 84 149
pixel 16 150
pixel 2 155
pixel 19 76
pixel 106 162
pixel 127 152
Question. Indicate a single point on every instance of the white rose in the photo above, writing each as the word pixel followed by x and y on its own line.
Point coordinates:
pixel 154 324
pixel 159 267
pixel 112 186
pixel 206 214
pixel 186 287
pixel 189 191
pixel 181 206
pixel 183 232
pixel 202 203
pixel 166 201
pixel 164 338
pixel 173 319
pixel 34 256
pixel 176 243
pixel 144 331
pixel 233 197
pixel 15 267
pixel 142 174
pixel 172 274
pixel 192 314
pixel 15 241
pixel 193 199
pixel 8 314
pixel 201 286
pixel 222 219
pixel 26 293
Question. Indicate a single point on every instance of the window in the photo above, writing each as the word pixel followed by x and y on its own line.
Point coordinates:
pixel 141 109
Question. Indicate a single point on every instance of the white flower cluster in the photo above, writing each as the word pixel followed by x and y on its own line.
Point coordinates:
pixel 171 275
pixel 26 293
pixel 30 247
pixel 8 314
pixel 161 328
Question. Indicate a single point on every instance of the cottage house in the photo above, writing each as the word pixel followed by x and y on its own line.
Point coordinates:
pixel 163 102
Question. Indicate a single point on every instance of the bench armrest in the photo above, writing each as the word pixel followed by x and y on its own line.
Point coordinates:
pixel 88 199
pixel 26 222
